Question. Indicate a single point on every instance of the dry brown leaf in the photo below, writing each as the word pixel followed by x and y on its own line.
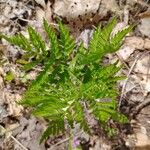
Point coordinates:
pixel 125 52
pixel 135 42
pixel 48 12
pixel 44 13
pixel 73 8
pixel 31 134
pixel 83 13
pixel 141 74
pixel 41 2
pixel 147 43
pixel 131 44
pixel 13 108
pixel 144 27
pixel 142 140
pixel 120 26
pixel 40 14
pixel 142 65
pixel 146 84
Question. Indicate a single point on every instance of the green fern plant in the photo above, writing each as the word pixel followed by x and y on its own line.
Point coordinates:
pixel 72 76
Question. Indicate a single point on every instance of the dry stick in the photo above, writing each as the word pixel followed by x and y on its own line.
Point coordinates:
pixel 63 141
pixel 144 102
pixel 23 148
pixel 148 69
pixel 124 86
pixel 130 89
pixel 125 83
pixel 141 106
pixel 142 3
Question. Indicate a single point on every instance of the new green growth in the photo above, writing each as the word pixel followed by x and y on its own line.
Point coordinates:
pixel 72 76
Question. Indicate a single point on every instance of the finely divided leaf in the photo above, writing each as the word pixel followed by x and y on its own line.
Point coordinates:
pixel 72 78
pixel 36 40
pixel 67 43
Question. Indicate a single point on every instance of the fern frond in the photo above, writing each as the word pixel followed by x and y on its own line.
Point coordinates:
pixel 99 44
pixel 19 40
pixel 116 40
pixel 54 128
pixel 43 97
pixel 31 65
pixel 67 43
pixel 54 45
pixel 42 77
pixel 36 40
pixel 102 36
pixel 107 30
pixel 70 78
pixel 102 43
pixel 79 116
pixel 44 110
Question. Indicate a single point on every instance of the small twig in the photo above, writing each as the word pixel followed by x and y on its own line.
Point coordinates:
pixel 130 89
pixel 125 83
pixel 24 148
pixel 63 141
pixel 142 3
pixel 122 61
pixel 141 106
pixel 4 131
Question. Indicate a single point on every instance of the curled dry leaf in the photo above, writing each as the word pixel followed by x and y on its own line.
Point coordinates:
pixel 46 12
pixel 142 140
pixel 135 42
pixel 83 13
pixel 145 26
pixel 30 135
pixel 41 2
pixel 142 70
pixel 142 65
pixel 147 43
pixel 125 52
pixel 85 36
pixel 40 14
pixel 130 45
pixel 13 108
pixel 75 8
pixel 120 26
pixel 146 84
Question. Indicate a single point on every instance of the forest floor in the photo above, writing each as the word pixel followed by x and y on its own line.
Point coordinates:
pixel 19 130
